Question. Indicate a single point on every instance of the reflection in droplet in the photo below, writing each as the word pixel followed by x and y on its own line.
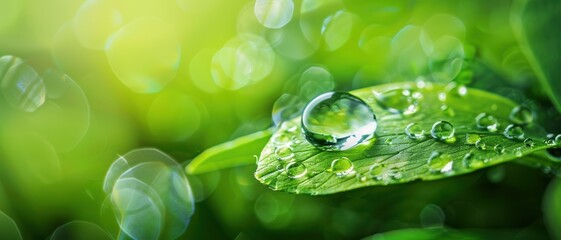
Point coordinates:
pixel 284 152
pixel 95 21
pixel 342 166
pixel 144 54
pixel 414 131
pixel 398 101
pixel 440 162
pixel 274 13
pixel 336 29
pixel 442 130
pixel 514 132
pixel 337 121
pixel 296 170
pixel 521 115
pixel 80 230
pixel 20 85
pixel 8 228
pixel 487 121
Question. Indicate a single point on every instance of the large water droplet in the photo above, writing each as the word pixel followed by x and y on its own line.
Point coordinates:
pixel 487 121
pixel 336 121
pixel 398 101
pixel 414 131
pixel 521 115
pixel 442 130
pixel 440 162
pixel 514 132
pixel 20 85
pixel 342 166
pixel 472 138
pixel 284 152
pixel 296 170
pixel 274 13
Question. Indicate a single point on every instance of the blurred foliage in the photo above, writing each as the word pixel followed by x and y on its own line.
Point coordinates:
pixel 215 74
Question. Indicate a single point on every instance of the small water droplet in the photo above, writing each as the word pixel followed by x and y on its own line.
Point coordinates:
pixel 289 127
pixel 361 177
pixel 442 130
pixel 472 138
pixel 337 121
pixel 414 131
pixel 284 152
pixel 487 121
pixel 528 142
pixel 499 149
pixel 514 132
pixel 481 145
pixel 342 166
pixel 397 101
pixel 558 139
pixel 471 161
pixel 296 170
pixel 376 171
pixel 518 152
pixel 440 162
pixel 549 142
pixel 280 139
pixel 462 90
pixel 521 115
pixel 389 141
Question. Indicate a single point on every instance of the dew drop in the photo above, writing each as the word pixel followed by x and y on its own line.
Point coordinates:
pixel 518 152
pixel 414 131
pixel 296 170
pixel 20 84
pixel 389 141
pixel 470 161
pixel 481 145
pixel 337 121
pixel 439 162
pixel 398 101
pixel 342 166
pixel 487 121
pixel 558 139
pixel 376 171
pixel 280 139
pixel 284 152
pixel 472 138
pixel 499 149
pixel 528 142
pixel 442 130
pixel 514 132
pixel 521 115
pixel 549 142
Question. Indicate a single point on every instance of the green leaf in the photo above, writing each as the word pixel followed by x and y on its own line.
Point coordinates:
pixel 391 154
pixel 451 234
pixel 238 152
pixel 535 25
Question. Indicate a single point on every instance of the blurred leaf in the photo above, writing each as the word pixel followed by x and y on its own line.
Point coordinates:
pixel 450 234
pixel 8 228
pixel 392 156
pixel 552 208
pixel 535 25
pixel 238 152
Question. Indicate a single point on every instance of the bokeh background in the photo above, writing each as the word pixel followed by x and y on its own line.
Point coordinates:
pixel 184 75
